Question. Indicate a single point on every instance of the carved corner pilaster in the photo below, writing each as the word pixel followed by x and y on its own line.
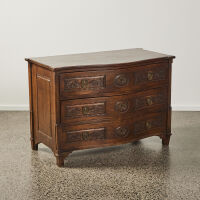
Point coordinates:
pixel 59 154
pixel 57 131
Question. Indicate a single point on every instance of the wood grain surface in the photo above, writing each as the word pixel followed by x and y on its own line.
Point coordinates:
pixel 79 108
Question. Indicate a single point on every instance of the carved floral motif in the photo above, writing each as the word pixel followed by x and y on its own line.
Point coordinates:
pixel 84 83
pixel 85 135
pixel 147 124
pixel 121 106
pixel 85 110
pixel 121 80
pixel 149 100
pixel 150 75
pixel 122 131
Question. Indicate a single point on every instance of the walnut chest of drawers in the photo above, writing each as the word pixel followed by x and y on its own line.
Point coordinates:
pixel 90 100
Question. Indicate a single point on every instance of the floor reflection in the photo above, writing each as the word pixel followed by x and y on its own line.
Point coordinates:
pixel 139 171
pixel 137 167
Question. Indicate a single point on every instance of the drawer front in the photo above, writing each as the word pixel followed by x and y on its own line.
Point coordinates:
pixel 115 107
pixel 86 135
pixel 92 135
pixel 84 83
pixel 149 75
pixel 111 82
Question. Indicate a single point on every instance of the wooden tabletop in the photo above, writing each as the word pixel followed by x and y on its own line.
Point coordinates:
pixel 98 58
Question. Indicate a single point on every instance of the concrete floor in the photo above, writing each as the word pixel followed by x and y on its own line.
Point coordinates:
pixel 144 170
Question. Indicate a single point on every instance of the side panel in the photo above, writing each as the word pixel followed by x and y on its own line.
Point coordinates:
pixel 168 132
pixel 31 105
pixel 42 105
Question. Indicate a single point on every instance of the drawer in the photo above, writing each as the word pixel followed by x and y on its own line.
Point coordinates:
pixel 112 82
pixel 115 107
pixel 92 135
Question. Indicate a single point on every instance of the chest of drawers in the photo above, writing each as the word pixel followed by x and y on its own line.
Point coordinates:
pixel 90 100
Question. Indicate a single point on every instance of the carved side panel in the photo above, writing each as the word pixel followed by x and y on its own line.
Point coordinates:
pixel 84 83
pixel 149 100
pixel 155 74
pixel 144 125
pixel 85 110
pixel 86 135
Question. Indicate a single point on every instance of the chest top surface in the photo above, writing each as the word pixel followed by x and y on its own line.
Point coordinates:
pixel 97 58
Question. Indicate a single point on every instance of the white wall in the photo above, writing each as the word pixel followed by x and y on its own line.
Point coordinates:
pixel 30 28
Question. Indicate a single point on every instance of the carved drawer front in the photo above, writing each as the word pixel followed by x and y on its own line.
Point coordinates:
pixel 148 124
pixel 94 134
pixel 150 74
pixel 150 99
pixel 112 82
pixel 138 127
pixel 93 109
pixel 94 83
pixel 86 135
pixel 84 83
pixel 88 110
pixel 83 110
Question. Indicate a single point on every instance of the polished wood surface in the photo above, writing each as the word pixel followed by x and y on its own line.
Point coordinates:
pixel 79 108
pixel 112 132
pixel 112 82
pixel 99 59
pixel 79 111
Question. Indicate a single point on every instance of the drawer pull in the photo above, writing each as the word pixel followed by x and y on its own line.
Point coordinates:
pixel 150 75
pixel 122 132
pixel 149 101
pixel 148 125
pixel 85 110
pixel 84 83
pixel 121 80
pixel 85 135
pixel 121 106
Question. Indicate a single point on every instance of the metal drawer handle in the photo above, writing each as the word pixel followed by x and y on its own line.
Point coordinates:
pixel 84 83
pixel 121 106
pixel 150 75
pixel 121 80
pixel 149 101
pixel 85 110
pixel 85 136
pixel 148 125
pixel 122 132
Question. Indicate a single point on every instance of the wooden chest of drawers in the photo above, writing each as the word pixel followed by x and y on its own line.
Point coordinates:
pixel 99 99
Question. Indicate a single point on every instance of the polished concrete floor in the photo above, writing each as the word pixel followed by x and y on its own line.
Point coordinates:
pixel 143 170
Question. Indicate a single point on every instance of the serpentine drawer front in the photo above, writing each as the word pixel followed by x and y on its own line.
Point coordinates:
pixel 111 82
pixel 110 108
pixel 112 132
pixel 91 100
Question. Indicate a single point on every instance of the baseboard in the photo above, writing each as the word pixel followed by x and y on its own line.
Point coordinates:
pixel 26 108
pixel 14 107
pixel 185 108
